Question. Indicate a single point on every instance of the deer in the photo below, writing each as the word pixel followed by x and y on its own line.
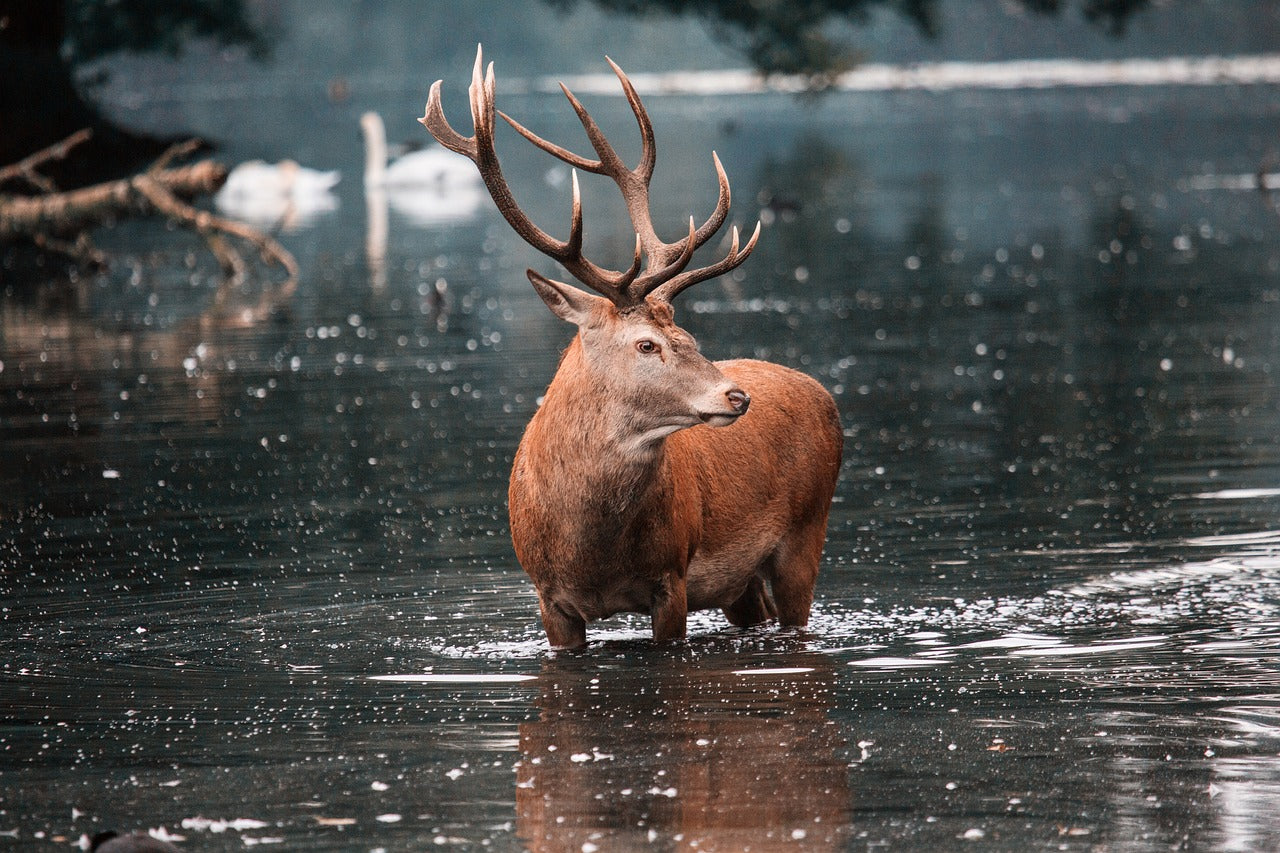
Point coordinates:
pixel 650 479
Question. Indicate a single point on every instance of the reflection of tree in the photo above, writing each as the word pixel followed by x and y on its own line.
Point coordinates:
pixel 1044 373
pixel 52 338
pixel 800 202
pixel 41 43
pixel 786 38
pixel 793 37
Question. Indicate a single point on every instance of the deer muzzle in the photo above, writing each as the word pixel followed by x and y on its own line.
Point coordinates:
pixel 736 402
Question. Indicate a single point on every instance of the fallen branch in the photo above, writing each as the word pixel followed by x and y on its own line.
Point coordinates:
pixel 76 210
pixel 212 228
pixel 58 220
pixel 81 250
pixel 26 167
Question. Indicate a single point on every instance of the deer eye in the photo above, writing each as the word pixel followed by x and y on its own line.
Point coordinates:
pixel 647 346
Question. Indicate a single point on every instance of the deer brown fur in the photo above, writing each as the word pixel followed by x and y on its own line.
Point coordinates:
pixel 643 484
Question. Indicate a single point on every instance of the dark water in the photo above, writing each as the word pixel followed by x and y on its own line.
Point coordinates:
pixel 257 587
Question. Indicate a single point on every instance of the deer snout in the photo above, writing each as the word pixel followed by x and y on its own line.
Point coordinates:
pixel 728 404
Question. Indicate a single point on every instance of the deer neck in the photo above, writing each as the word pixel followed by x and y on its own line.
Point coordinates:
pixel 588 445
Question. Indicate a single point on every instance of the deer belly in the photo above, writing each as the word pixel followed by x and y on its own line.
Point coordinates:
pixel 600 598
pixel 717 579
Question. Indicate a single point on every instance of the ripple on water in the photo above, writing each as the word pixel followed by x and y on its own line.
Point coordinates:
pixel 1225 612
pixel 1134 617
pixel 1222 613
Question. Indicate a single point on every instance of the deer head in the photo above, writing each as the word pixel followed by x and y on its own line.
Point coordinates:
pixel 630 342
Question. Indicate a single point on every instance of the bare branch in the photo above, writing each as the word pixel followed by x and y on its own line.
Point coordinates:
pixel 76 210
pixel 207 223
pixel 80 250
pixel 175 152
pixel 158 190
pixel 26 167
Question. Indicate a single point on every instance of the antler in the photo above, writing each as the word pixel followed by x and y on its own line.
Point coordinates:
pixel 664 274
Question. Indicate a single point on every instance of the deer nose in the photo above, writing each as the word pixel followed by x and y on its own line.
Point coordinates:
pixel 738 400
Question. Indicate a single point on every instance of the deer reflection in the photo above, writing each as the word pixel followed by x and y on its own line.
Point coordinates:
pixel 683 754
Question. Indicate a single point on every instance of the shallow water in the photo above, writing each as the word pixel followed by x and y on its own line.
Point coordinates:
pixel 257 587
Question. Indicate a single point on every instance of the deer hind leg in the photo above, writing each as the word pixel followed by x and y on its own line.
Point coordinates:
pixel 753 607
pixel 564 630
pixel 793 571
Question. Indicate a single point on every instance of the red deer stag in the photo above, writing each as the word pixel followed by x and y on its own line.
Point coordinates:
pixel 642 484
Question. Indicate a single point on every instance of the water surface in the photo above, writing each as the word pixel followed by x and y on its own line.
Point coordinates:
pixel 255 575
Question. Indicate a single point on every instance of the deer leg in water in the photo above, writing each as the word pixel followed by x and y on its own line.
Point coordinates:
pixel 670 611
pixel 795 571
pixel 564 631
pixel 752 607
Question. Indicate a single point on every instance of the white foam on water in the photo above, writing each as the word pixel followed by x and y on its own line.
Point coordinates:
pixel 1066 650
pixel 1256 537
pixel 240 824
pixel 895 663
pixel 1188 574
pixel 455 678
pixel 781 670
pixel 1242 494
pixel 1013 641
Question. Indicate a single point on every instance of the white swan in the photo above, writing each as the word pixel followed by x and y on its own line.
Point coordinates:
pixel 432 186
pixel 265 194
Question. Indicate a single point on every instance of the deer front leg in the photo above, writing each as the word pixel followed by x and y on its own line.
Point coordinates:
pixel 670 611
pixel 564 630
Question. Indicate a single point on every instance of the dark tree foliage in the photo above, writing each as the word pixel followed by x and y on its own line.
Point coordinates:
pixel 791 36
pixel 96 28
pixel 80 30
pixel 1110 14
pixel 778 36
pixel 42 40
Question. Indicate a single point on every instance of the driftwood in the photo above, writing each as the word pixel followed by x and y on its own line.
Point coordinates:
pixel 58 221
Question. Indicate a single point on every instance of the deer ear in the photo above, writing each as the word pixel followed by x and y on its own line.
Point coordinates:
pixel 565 301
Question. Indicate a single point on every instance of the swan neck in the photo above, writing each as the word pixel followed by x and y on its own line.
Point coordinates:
pixel 375 149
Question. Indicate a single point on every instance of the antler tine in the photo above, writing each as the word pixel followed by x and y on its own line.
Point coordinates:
pixel 554 150
pixel 649 153
pixel 717 217
pixel 671 289
pixel 652 279
pixel 433 120
pixel 574 244
pixel 624 281
pixel 480 150
pixel 666 275
pixel 633 183
pixel 610 162
pixel 477 95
